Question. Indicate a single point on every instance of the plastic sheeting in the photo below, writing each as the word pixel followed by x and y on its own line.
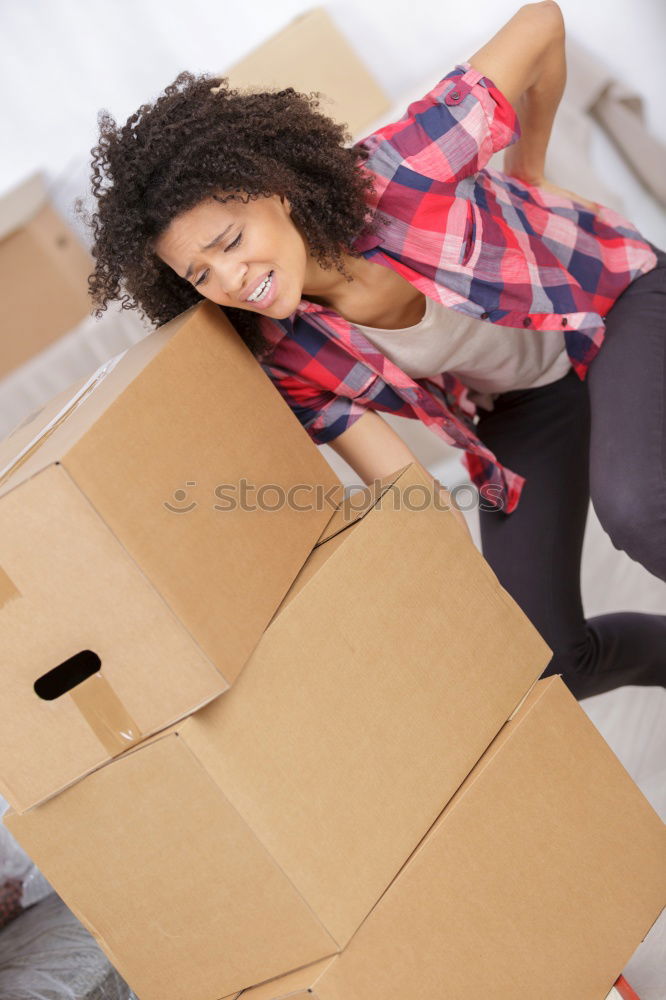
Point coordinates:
pixel 46 954
pixel 19 877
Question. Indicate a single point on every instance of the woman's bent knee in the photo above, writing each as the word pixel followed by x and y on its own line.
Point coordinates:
pixel 635 521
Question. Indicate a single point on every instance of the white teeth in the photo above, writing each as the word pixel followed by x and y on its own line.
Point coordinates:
pixel 263 288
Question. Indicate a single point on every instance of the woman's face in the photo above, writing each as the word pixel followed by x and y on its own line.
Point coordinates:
pixel 226 250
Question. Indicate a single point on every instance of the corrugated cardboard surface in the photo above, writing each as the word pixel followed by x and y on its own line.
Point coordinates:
pixel 43 274
pixel 362 708
pixel 540 878
pixel 205 412
pixel 163 861
pixel 291 988
pixel 367 701
pixel 350 510
pixel 54 445
pixel 298 985
pixel 355 506
pixel 187 409
pixel 78 590
pixel 312 54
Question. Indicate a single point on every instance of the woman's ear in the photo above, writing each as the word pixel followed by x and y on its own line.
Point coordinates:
pixel 285 201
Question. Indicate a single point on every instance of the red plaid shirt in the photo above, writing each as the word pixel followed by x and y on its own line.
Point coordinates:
pixel 474 239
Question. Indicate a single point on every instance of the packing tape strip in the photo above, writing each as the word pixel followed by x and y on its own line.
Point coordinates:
pixel 65 411
pixel 105 714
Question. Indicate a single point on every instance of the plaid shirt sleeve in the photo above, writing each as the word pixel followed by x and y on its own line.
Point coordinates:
pixel 451 132
pixel 323 413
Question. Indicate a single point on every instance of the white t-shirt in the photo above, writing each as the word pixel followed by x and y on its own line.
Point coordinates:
pixel 487 358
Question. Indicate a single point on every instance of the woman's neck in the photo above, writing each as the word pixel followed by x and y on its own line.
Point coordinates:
pixel 377 296
pixel 327 285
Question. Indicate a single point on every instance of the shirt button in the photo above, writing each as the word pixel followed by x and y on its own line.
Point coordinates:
pixel 455 96
pixel 485 315
pixel 564 321
pixel 527 321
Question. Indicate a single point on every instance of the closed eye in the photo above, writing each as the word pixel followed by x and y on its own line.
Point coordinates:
pixel 204 277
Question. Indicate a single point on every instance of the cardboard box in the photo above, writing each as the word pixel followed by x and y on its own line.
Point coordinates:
pixel 258 834
pixel 117 569
pixel 540 878
pixel 312 54
pixel 43 274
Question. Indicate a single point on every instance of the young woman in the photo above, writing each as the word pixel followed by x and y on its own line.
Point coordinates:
pixel 520 322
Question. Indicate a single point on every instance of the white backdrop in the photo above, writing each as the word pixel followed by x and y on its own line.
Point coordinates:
pixel 63 60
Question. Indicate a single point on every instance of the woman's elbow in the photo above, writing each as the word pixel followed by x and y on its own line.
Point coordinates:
pixel 550 17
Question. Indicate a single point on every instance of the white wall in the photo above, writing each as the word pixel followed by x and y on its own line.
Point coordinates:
pixel 63 60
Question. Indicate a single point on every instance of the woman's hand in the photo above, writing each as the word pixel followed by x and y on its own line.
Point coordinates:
pixel 545 185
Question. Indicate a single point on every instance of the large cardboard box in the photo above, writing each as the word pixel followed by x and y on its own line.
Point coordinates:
pixel 257 835
pixel 43 274
pixel 540 878
pixel 137 572
pixel 311 53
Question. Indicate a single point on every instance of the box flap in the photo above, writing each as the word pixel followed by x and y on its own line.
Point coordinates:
pixel 349 512
pixel 298 985
pixel 354 507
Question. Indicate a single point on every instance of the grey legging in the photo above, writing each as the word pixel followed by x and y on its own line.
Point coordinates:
pixel 604 438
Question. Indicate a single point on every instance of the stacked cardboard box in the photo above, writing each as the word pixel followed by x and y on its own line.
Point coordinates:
pixel 533 882
pixel 384 799
pixel 43 274
pixel 128 548
pixel 292 57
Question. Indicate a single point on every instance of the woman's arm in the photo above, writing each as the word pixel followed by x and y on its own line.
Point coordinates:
pixel 374 450
pixel 526 62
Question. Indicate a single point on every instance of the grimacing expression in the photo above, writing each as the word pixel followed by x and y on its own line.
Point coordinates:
pixel 227 249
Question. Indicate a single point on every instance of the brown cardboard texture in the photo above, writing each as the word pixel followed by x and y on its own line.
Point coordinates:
pixel 99 551
pixel 182 895
pixel 311 54
pixel 540 878
pixel 400 648
pixel 43 274
pixel 360 711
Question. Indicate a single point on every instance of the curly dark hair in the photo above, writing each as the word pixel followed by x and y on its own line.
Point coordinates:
pixel 199 137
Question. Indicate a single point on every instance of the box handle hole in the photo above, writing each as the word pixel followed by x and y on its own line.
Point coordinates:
pixel 67 675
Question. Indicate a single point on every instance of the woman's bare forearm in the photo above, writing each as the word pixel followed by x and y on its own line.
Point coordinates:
pixel 374 450
pixel 536 110
pixel 447 501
